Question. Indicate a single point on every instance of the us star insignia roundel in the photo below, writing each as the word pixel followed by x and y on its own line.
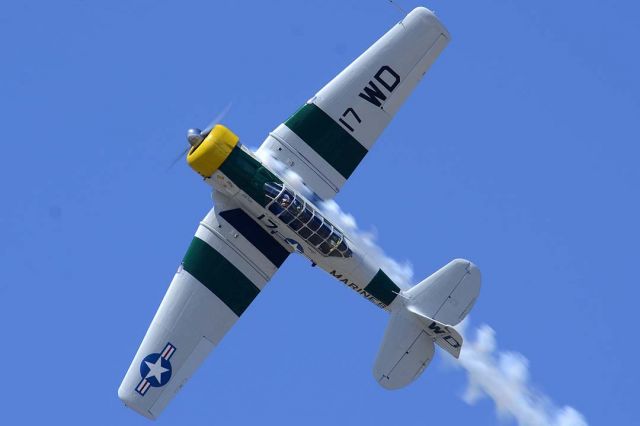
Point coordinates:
pixel 296 245
pixel 155 369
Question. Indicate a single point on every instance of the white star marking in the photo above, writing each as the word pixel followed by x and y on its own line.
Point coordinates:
pixel 156 370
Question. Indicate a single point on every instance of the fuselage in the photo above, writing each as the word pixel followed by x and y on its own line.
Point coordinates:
pixel 299 225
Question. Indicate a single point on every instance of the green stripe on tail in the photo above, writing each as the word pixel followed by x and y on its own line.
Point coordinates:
pixel 382 288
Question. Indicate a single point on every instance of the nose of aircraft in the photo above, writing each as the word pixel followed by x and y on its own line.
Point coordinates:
pixel 194 136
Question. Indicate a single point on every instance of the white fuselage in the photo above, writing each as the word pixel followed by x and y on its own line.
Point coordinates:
pixel 355 269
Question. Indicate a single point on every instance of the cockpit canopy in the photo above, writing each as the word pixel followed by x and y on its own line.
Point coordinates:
pixel 305 221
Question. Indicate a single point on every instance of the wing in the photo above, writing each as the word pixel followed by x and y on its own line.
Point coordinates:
pixel 325 140
pixel 228 263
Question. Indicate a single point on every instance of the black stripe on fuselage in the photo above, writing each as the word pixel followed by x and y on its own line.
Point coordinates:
pixel 256 235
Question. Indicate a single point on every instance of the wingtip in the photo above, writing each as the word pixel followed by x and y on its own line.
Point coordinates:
pixel 428 18
pixel 129 400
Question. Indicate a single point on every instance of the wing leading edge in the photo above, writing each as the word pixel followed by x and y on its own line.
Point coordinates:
pixel 216 282
pixel 325 140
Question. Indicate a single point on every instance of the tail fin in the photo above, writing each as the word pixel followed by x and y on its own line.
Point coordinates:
pixel 425 317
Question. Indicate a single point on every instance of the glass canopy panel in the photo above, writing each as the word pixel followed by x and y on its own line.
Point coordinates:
pixel 296 207
pixel 286 217
pixel 306 215
pixel 272 190
pixel 304 232
pixel 295 225
pixel 335 238
pixel 285 199
pixel 325 248
pixel 315 239
pixel 324 230
pixel 314 223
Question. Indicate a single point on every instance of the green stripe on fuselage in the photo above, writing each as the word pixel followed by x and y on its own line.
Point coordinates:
pixel 326 137
pixel 382 288
pixel 219 275
pixel 248 173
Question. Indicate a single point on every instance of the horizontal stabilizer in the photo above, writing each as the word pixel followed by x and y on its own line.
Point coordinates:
pixel 447 295
pixel 406 350
pixel 426 316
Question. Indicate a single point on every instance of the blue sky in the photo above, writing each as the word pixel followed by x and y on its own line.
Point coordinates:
pixel 518 151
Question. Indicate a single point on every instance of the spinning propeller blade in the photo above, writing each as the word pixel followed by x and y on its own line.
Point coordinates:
pixel 178 158
pixel 201 133
pixel 216 120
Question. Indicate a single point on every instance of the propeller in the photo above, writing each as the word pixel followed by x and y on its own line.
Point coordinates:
pixel 196 136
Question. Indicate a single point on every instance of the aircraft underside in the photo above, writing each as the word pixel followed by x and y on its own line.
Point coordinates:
pixel 259 219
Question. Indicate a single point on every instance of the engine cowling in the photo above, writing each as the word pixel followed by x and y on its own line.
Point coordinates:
pixel 208 156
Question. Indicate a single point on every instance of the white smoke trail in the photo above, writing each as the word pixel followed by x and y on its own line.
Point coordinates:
pixel 504 377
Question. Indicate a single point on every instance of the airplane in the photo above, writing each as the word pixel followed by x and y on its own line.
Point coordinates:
pixel 261 216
